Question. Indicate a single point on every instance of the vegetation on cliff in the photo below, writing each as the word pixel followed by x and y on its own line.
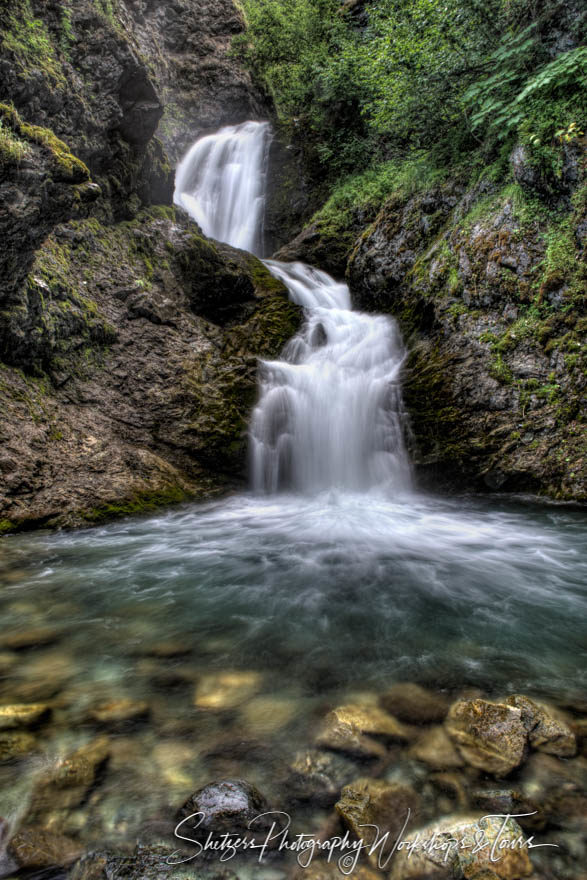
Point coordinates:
pixel 372 81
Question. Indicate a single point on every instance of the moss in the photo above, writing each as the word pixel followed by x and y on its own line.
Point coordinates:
pixel 29 42
pixel 501 371
pixel 67 35
pixel 262 278
pixel 12 148
pixel 66 166
pixel 6 526
pixel 138 504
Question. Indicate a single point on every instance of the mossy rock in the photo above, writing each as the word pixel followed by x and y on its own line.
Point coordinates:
pixel 66 167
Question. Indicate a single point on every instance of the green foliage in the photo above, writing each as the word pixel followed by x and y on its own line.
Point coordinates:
pixel 446 77
pixel 12 148
pixel 305 55
pixel 357 199
pixel 522 84
pixel 66 166
pixel 29 41
pixel 67 34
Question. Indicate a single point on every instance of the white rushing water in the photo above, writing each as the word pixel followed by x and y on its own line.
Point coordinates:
pixel 220 182
pixel 330 412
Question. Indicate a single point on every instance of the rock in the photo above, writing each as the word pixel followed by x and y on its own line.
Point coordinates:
pixel 228 806
pixel 16 745
pixel 226 690
pixel 435 748
pixel 263 716
pixel 489 736
pixel 119 712
pixel 320 870
pixel 145 863
pixel 546 733
pixel 449 286
pixel 37 637
pixel 8 660
pixel 23 715
pixel 414 704
pixel 318 776
pixel 371 721
pixel 167 650
pixel 455 786
pixel 528 175
pixel 453 853
pixel 66 785
pixel 166 395
pixel 557 788
pixel 375 802
pixel 35 848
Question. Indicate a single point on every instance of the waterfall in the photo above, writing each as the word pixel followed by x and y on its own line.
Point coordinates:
pixel 330 412
pixel 221 184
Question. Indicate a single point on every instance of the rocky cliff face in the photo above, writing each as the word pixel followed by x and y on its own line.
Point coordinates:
pixel 488 287
pixel 128 342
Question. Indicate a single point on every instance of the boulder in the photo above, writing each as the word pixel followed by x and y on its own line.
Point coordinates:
pixel 546 732
pixel 388 806
pixel 228 807
pixel 451 853
pixel 488 736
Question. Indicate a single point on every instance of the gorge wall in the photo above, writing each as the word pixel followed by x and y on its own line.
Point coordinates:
pixel 123 384
pixel 488 284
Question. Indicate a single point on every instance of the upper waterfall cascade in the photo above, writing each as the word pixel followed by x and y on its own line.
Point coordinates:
pixel 329 414
pixel 221 183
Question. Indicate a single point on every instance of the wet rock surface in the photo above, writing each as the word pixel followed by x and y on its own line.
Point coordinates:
pixel 489 736
pixel 227 806
pixel 493 320
pixel 158 416
pixel 115 371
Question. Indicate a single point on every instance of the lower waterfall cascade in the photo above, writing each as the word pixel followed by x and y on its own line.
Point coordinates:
pixel 330 412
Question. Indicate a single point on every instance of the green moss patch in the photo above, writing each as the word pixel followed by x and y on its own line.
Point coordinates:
pixel 66 167
pixel 140 503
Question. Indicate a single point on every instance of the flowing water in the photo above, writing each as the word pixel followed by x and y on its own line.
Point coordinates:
pixel 331 579
pixel 221 184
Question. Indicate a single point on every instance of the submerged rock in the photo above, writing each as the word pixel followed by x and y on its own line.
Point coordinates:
pixel 36 848
pixel 415 704
pixel 352 728
pixel 24 639
pixel 228 806
pixel 370 804
pixel 318 776
pixel 67 784
pixel 452 851
pixel 16 745
pixel 23 715
pixel 267 715
pixel 145 863
pixel 435 748
pixel 226 690
pixel 489 736
pixel 546 732
pixel 119 712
